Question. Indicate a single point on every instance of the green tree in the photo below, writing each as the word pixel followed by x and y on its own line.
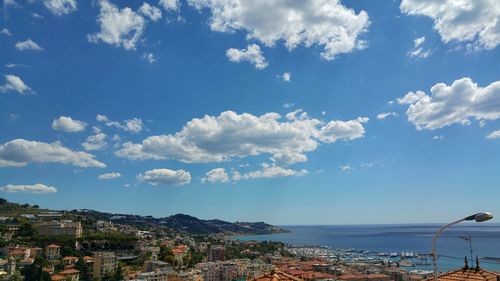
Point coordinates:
pixel 26 230
pixel 118 273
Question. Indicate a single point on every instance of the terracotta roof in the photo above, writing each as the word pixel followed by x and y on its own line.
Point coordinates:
pixel 296 272
pixel 57 277
pixel 88 258
pixel 468 274
pixel 69 271
pixel 53 246
pixel 352 276
pixel 70 258
pixel 377 276
pixel 277 276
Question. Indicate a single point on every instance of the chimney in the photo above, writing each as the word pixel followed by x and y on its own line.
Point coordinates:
pixel 466 266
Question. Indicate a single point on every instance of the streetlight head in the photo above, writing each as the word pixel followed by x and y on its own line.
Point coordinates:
pixel 483 217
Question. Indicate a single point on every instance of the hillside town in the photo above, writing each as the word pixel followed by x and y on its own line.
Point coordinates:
pixel 38 244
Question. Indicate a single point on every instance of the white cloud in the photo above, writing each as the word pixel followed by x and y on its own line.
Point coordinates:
pixel 216 175
pixel 35 188
pixel 20 152
pixel 437 138
pixel 383 115
pixel 288 105
pixel 327 23
pixel 269 171
pixel 14 83
pixel 12 3
pixel 170 5
pixel 150 58
pixel 28 45
pixel 67 124
pixel 411 97
pixel 149 11
pixel 288 158
pixel 345 168
pixel 458 103
pixel 134 125
pixel 5 31
pixel 109 176
pixel 13 117
pixel 418 51
pixel 60 7
pixel 231 135
pixel 165 177
pixel 472 21
pixel 119 27
pixel 287 76
pixel 95 142
pixel 252 54
pixel 343 130
pixel 493 135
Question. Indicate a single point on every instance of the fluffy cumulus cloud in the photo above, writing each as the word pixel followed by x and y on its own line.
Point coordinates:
pixel 96 141
pixel 149 11
pixel 345 168
pixel 35 188
pixel 67 124
pixel 15 84
pixel 269 171
pixel 287 76
pixel 343 130
pixel 418 51
pixel 119 27
pixel 109 176
pixel 170 5
pixel 327 23
pixel 150 58
pixel 165 177
pixel 6 32
pixel 28 45
pixel 60 7
pixel 133 125
pixel 252 54
pixel 216 175
pixel 457 103
pixel 494 135
pixel 384 115
pixel 20 152
pixel 472 21
pixel 231 135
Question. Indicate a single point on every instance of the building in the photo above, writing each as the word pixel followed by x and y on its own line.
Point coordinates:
pixel 34 252
pixel 20 253
pixel 70 260
pixel 61 228
pixel 70 274
pixel 104 262
pixel 179 253
pixel 276 275
pixel 468 274
pixel 220 271
pixel 216 253
pixel 52 251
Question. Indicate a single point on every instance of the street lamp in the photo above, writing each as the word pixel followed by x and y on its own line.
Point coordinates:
pixel 479 217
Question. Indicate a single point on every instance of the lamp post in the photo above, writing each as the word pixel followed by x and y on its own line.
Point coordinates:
pixel 479 217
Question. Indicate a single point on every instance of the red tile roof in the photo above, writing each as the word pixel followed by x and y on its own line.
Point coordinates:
pixel 277 276
pixel 468 274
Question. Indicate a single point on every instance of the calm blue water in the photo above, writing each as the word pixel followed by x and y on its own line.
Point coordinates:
pixel 397 238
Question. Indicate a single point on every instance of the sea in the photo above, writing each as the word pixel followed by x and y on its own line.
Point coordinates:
pixel 416 238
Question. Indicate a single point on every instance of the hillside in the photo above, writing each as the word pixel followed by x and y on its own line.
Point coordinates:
pixel 178 222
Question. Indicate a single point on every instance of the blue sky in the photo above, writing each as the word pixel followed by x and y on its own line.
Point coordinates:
pixel 308 112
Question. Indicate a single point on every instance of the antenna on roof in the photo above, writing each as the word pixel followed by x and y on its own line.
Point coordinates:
pixel 468 238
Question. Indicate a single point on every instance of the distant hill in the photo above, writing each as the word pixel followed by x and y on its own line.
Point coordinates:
pixel 178 222
pixel 190 224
